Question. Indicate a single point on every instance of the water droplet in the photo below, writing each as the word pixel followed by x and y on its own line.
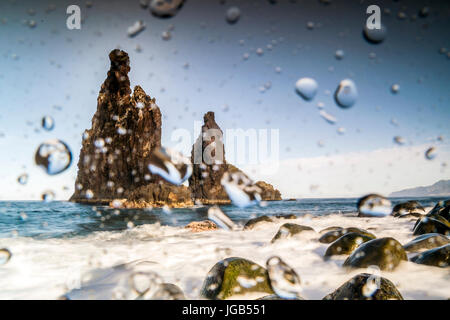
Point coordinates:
pixel 283 279
pixel 307 88
pixel 375 36
pixel 136 28
pixel 346 94
pixel 54 156
pixel 5 256
pixel 339 54
pixel 166 35
pixel 340 130
pixel 328 117
pixel 240 189
pixel 233 14
pixel 431 153
pixel 170 165
pixel 374 205
pixel 165 8
pixel 48 196
pixel 47 123
pixel 310 25
pixel 23 179
pixel 395 88
pixel 216 215
pixel 259 51
pixel 399 140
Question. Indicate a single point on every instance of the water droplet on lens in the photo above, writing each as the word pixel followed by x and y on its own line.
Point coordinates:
pixel 233 14
pixel 165 8
pixel 375 36
pixel 307 88
pixel 399 140
pixel 339 54
pixel 48 196
pixel 136 28
pixel 216 215
pixel 283 279
pixel 395 88
pixel 54 156
pixel 240 189
pixel 328 117
pixel 47 123
pixel 374 205
pixel 23 179
pixel 5 256
pixel 166 35
pixel 170 165
pixel 430 154
pixel 346 94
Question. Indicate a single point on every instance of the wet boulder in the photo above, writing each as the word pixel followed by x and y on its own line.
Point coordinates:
pixel 365 286
pixel 328 229
pixel 275 297
pixel 235 276
pixel 386 253
pixel 289 230
pixel 432 225
pixel 257 221
pixel 442 209
pixel 286 216
pixel 438 257
pixel 333 235
pixel 346 244
pixel 169 291
pixel 426 241
pixel 408 208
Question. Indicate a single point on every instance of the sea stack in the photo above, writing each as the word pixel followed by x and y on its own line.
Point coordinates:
pixel 116 151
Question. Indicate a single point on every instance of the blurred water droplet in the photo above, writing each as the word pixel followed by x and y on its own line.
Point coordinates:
pixel 165 8
pixel 307 88
pixel 54 156
pixel 170 165
pixel 240 189
pixel 136 28
pixel 48 196
pixel 283 279
pixel 47 123
pixel 395 88
pixel 374 205
pixel 339 54
pixel 431 153
pixel 5 256
pixel 233 14
pixel 246 282
pixel 216 215
pixel 259 51
pixel 166 35
pixel 375 36
pixel 340 130
pixel 328 117
pixel 23 179
pixel 346 94
pixel 399 140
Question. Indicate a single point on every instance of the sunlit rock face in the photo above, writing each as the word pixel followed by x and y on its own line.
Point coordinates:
pixel 126 129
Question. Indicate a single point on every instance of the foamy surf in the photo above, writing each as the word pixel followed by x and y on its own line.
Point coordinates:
pixel 50 268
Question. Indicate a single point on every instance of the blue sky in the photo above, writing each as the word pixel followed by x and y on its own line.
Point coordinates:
pixel 50 66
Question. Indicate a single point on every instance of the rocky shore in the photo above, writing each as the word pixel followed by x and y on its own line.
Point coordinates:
pixel 115 153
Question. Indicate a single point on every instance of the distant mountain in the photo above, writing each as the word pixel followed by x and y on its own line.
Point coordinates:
pixel 440 188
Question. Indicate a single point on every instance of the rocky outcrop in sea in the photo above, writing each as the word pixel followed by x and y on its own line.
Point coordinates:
pixel 116 151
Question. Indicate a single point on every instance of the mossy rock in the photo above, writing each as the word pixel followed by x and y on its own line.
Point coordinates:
pixel 361 287
pixel 253 222
pixel 426 241
pixel 222 281
pixel 432 225
pixel 288 230
pixel 438 257
pixel 386 253
pixel 333 235
pixel 346 244
pixel 408 208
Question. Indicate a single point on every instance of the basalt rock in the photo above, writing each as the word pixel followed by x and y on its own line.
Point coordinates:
pixel 426 241
pixel 225 277
pixel 346 244
pixel 435 224
pixel 441 209
pixel 209 167
pixel 289 230
pixel 411 208
pixel 126 129
pixel 250 224
pixel 438 257
pixel 337 232
pixel 386 253
pixel 365 287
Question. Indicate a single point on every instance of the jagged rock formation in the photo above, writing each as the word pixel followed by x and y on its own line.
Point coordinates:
pixel 115 151
pixel 205 180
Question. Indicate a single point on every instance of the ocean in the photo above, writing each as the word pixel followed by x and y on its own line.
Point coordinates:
pixel 54 245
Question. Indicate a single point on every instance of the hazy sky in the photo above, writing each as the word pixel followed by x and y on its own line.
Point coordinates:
pixel 50 70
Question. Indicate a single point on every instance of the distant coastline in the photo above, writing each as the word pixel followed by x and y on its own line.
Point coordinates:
pixel 438 189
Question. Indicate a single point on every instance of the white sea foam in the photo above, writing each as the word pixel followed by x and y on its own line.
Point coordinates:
pixel 46 269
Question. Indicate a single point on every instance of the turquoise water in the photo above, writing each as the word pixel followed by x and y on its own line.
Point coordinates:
pixel 58 219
